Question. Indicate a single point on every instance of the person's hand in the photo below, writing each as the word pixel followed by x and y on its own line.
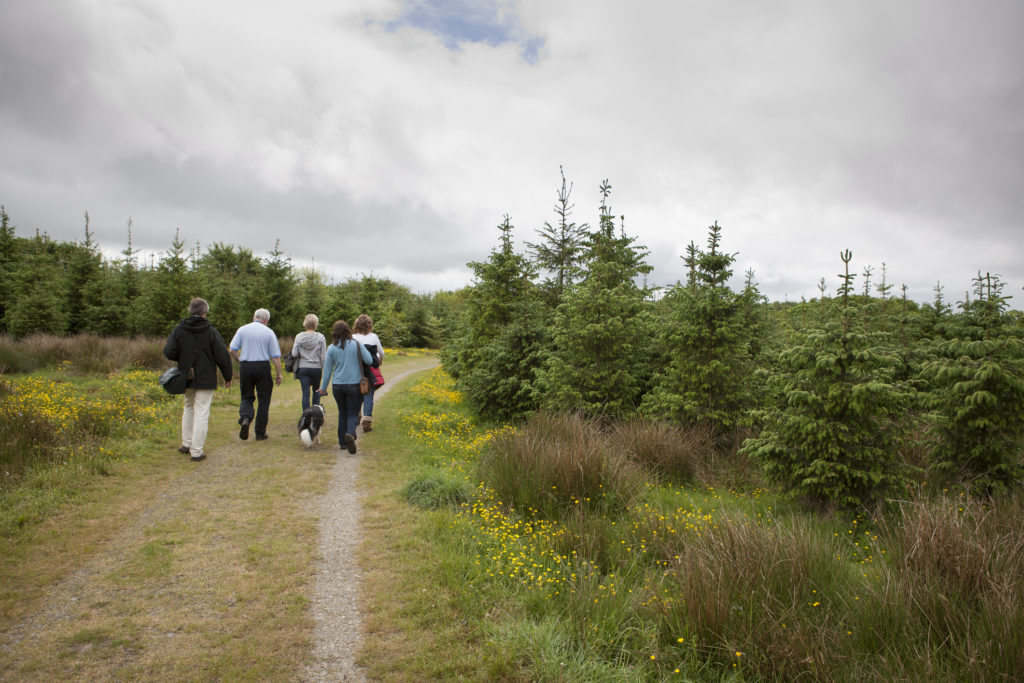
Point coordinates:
pixel 322 392
pixel 278 380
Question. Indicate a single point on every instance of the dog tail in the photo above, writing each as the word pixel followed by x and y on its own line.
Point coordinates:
pixel 307 439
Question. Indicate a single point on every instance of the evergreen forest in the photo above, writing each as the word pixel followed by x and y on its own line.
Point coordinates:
pixel 844 400
pixel 60 288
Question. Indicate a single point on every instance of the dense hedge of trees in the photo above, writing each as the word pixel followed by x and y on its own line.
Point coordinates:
pixel 66 288
pixel 835 397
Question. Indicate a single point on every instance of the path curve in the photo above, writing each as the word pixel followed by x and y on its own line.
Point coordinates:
pixel 335 605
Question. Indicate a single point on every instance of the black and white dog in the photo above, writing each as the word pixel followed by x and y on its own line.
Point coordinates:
pixel 310 423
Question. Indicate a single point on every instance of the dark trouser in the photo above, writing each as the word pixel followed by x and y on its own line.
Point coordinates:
pixel 349 400
pixel 309 379
pixel 257 384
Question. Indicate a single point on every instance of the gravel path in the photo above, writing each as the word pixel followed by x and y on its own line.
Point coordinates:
pixel 335 603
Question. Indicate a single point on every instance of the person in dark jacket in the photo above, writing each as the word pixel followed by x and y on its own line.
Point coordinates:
pixel 199 350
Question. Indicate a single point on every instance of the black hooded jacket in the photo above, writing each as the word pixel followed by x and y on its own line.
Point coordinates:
pixel 195 343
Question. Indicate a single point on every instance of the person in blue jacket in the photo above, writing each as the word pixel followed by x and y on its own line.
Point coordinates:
pixel 343 369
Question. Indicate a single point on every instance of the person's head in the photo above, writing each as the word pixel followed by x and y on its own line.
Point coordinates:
pixel 363 324
pixel 261 314
pixel 311 321
pixel 198 307
pixel 341 332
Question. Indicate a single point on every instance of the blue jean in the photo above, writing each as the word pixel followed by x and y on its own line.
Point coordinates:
pixel 348 398
pixel 368 403
pixel 309 379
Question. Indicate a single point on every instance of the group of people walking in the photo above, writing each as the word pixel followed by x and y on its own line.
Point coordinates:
pixel 199 350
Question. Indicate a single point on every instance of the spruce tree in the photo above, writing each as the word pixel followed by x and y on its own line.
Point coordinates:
pixel 560 250
pixel 833 438
pixel 708 341
pixel 977 392
pixel 495 354
pixel 599 332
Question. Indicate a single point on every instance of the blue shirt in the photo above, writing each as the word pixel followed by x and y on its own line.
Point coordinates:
pixel 255 342
pixel 342 365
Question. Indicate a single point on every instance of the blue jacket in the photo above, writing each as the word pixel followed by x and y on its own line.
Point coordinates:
pixel 342 365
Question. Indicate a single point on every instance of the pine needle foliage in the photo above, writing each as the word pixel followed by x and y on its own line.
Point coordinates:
pixel 977 392
pixel 494 357
pixel 834 438
pixel 706 336
pixel 594 349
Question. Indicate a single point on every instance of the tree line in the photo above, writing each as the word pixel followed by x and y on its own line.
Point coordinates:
pixel 842 400
pixel 61 288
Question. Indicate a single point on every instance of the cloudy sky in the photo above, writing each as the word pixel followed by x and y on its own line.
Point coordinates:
pixel 392 136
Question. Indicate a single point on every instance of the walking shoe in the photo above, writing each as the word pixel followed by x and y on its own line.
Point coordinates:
pixel 197 458
pixel 367 425
pixel 261 437
pixel 243 433
pixel 350 443
pixel 183 449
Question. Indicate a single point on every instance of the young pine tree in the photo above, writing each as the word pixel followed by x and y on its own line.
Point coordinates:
pixel 707 338
pixel 977 392
pixel 496 351
pixel 599 331
pixel 559 252
pixel 834 436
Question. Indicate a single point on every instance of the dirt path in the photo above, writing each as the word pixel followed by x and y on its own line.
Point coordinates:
pixel 335 600
pixel 204 570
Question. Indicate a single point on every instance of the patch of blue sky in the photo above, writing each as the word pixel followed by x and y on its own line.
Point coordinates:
pixel 492 22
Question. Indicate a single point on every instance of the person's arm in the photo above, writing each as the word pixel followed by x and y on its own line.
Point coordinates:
pixel 276 360
pixel 328 370
pixel 171 350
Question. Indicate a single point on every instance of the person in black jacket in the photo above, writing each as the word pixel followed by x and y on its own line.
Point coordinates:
pixel 199 350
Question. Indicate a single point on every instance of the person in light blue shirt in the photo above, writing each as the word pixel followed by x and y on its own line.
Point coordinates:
pixel 343 369
pixel 255 346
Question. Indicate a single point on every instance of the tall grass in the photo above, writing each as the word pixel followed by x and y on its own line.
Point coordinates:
pixel 584 529
pixel 80 354
pixel 554 464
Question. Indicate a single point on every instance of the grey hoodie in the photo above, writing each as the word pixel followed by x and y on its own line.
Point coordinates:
pixel 311 350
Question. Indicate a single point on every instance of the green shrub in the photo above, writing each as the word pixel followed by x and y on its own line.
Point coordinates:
pixel 434 490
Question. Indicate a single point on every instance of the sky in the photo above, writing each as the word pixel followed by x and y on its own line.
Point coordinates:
pixel 392 137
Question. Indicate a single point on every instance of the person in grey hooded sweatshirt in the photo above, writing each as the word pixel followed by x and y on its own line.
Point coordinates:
pixel 309 350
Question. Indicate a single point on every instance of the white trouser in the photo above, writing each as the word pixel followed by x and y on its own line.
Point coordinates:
pixel 195 419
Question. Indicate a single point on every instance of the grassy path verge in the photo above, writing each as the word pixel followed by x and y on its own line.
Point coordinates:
pixel 172 570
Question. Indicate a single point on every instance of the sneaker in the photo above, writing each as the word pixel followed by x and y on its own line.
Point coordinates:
pixel 243 433
pixel 367 425
pixel 197 458
pixel 350 443
pixel 183 449
pixel 261 437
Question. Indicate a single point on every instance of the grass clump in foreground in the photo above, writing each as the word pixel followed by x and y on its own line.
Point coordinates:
pixel 572 562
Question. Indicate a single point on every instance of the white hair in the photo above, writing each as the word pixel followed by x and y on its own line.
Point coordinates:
pixel 261 314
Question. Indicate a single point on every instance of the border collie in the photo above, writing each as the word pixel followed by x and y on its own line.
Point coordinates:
pixel 310 423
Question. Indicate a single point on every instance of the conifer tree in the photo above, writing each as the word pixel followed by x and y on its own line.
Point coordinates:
pixel 599 329
pixel 39 291
pixel 560 250
pixel 496 352
pixel 707 339
pixel 834 436
pixel 8 258
pixel 977 392
pixel 168 289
